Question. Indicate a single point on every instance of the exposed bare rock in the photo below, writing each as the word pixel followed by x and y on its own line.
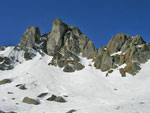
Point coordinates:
pixel 29 38
pixel 2 48
pixel 117 42
pixel 122 72
pixel 89 51
pixel 55 38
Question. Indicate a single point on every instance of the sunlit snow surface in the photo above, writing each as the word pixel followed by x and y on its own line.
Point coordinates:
pixel 88 90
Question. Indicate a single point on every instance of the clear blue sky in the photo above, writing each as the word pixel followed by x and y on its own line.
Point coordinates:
pixel 98 19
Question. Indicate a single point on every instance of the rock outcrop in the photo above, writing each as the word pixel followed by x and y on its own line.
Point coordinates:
pixel 5 81
pixel 123 49
pixel 66 43
pixel 57 99
pixel 2 48
pixel 29 38
pixel 6 63
pixel 55 38
pixel 28 100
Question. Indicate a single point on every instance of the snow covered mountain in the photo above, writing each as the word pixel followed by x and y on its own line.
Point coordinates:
pixel 62 72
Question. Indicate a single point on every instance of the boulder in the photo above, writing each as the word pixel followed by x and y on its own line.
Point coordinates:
pixel 28 100
pixel 57 99
pixel 42 95
pixel 52 98
pixel 71 111
pixel 22 87
pixel 60 99
pixel 5 81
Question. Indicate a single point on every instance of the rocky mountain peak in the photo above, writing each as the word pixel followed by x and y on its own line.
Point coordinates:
pixel 66 43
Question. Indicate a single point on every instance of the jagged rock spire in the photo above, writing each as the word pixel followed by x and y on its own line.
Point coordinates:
pixel 30 37
pixel 55 38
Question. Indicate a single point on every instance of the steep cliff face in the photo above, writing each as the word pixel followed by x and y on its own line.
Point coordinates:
pixel 66 43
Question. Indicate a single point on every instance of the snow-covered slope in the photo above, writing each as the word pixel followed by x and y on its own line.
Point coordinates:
pixel 86 91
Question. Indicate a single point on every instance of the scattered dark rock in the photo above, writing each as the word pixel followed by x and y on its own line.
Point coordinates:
pixel 13 98
pixel 28 100
pixel 42 95
pixel 10 92
pixel 18 85
pixel 57 99
pixel 65 95
pixel 142 103
pixel 22 87
pixel 5 81
pixel 115 89
pixel 60 99
pixel 71 111
pixel 52 98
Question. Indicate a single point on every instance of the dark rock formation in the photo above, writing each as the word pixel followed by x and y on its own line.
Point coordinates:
pixel 103 61
pixel 71 111
pixel 2 48
pixel 5 81
pixel 6 63
pixel 66 43
pixel 57 99
pixel 29 38
pixel 133 52
pixel 28 100
pixel 42 95
pixel 55 38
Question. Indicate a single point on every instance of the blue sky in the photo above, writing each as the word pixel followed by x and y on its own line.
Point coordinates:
pixel 98 19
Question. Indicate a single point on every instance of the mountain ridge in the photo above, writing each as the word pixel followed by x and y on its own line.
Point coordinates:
pixel 65 42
